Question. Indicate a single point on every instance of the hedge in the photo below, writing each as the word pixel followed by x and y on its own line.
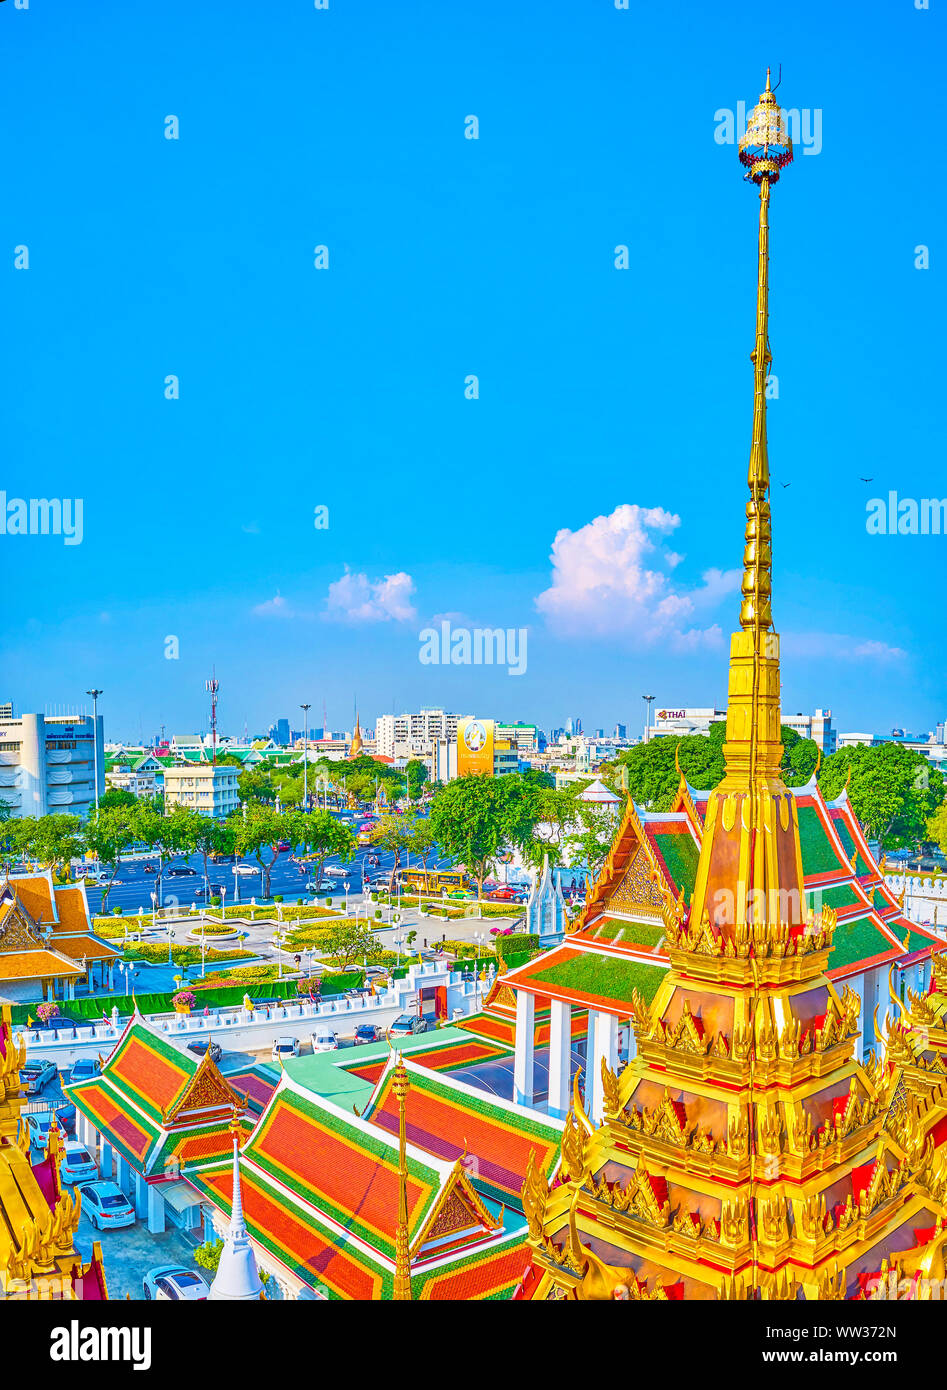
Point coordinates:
pixel 212 998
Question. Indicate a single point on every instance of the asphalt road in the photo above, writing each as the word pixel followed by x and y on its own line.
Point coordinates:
pixel 133 886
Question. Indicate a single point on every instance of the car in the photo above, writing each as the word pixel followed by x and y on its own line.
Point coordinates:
pixel 36 1076
pixel 200 1045
pixel 282 846
pixel 223 859
pixel 77 1164
pixel 366 1033
pixel 406 1025
pixel 106 1206
pixel 325 1040
pixel 38 1124
pixel 284 1048
pixel 243 870
pixel 66 1116
pixel 176 1283
pixel 84 1069
pixel 148 868
pixel 181 871
pixel 505 895
pixel 337 871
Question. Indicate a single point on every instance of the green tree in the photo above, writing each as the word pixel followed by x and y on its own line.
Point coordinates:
pixel 415 777
pixel 257 785
pixel 321 837
pixel 116 796
pixel 109 833
pixel 422 843
pixel 393 833
pixel 474 818
pixel 937 827
pixel 344 943
pixel 894 791
pixel 594 830
pixel 51 840
pixel 803 759
pixel 262 828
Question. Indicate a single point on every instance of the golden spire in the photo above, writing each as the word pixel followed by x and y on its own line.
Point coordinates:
pixel 750 856
pixel 402 1288
pixel 765 148
pixel 356 745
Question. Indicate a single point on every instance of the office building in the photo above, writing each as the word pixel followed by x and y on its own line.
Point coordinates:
pixel 204 787
pixel 51 763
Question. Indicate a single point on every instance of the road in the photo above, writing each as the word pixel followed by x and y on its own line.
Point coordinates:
pixel 133 886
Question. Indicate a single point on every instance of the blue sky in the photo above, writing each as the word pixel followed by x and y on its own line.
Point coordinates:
pixel 622 396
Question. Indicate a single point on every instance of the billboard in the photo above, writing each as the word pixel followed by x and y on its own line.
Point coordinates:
pixel 475 746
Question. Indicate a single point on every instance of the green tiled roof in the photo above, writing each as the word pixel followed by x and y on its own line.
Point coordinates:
pixel 857 940
pixel 638 933
pixel 845 835
pixel 818 853
pixel 680 854
pixel 606 977
pixel 839 896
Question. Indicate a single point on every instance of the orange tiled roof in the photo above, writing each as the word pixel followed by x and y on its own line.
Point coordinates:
pixel 35 895
pixel 75 947
pixel 73 912
pixel 31 965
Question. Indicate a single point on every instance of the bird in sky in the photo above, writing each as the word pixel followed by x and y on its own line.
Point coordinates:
pixel 867 480
pixel 785 485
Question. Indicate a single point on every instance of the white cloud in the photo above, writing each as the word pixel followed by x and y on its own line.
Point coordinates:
pixel 275 607
pixel 610 577
pixel 357 599
pixel 840 646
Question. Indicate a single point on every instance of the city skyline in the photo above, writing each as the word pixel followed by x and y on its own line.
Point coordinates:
pixel 560 503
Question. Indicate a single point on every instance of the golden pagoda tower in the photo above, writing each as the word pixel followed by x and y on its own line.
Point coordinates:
pixel 744 1153
pixel 355 748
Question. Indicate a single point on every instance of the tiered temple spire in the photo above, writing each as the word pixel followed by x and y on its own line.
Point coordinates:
pixel 746 1152
pixel 237 1276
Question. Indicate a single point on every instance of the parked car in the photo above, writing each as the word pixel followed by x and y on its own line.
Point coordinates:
pixel 66 1115
pixel 406 1025
pixel 77 1165
pixel 200 1045
pixel 181 871
pixel 366 1033
pixel 36 1076
pixel 106 1206
pixel 325 1040
pixel 284 1048
pixel 38 1123
pixel 84 1069
pixel 176 1283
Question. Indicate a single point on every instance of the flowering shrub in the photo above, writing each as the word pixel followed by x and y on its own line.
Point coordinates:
pixel 184 999
pixel 45 1012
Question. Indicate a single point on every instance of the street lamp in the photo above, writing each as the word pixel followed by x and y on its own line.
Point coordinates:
pixel 170 939
pixel 95 744
pixel 305 709
pixel 236 886
pixel 649 701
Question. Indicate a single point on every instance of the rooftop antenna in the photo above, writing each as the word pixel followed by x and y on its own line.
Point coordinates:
pixel 212 686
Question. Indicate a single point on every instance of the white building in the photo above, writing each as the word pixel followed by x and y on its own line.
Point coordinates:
pixel 51 763
pixel 817 726
pixel 412 735
pixel 203 787
pixel 678 722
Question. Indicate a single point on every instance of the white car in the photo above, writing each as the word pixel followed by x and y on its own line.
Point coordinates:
pixel 325 1040
pixel 337 871
pixel 244 870
pixel 96 876
pixel 77 1163
pixel 284 1048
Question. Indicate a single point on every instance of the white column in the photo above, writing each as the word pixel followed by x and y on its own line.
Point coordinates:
pixel 560 1056
pixel 105 1160
pixel 141 1196
pixel 523 1057
pixel 602 1043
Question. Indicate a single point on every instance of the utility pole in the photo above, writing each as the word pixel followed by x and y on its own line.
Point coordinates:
pixel 305 709
pixel 95 745
pixel 649 701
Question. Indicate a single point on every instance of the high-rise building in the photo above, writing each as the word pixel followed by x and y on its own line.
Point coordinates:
pixel 279 732
pixel 621 731
pixel 817 726
pixel 51 763
pixel 413 735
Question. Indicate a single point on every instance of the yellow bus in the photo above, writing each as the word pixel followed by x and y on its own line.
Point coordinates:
pixel 434 880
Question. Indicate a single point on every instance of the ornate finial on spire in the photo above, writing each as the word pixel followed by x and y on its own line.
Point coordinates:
pixel 764 149
pixel 402 1287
